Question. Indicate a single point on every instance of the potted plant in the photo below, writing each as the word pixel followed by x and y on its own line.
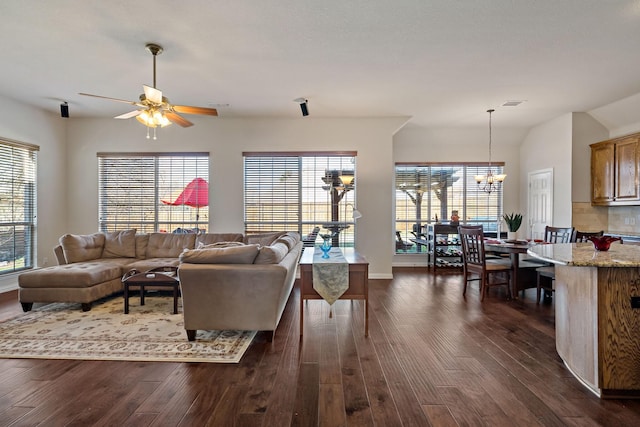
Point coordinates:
pixel 513 220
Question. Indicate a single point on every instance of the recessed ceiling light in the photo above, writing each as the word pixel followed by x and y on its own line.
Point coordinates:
pixel 513 103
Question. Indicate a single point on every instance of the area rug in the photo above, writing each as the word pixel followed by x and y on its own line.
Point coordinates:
pixel 148 333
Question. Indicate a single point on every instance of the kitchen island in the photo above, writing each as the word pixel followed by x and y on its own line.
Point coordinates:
pixel 597 300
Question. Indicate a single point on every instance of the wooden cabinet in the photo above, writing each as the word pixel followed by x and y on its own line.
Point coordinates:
pixel 615 171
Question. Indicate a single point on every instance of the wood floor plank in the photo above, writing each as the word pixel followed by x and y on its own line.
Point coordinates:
pixel 439 415
pixel 307 396
pixel 356 401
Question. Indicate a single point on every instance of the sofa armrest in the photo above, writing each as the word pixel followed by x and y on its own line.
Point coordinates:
pixel 59 253
pixel 239 296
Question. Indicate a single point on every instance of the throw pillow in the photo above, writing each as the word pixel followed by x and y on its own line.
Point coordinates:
pixel 209 238
pixel 120 244
pixel 219 245
pixel 244 254
pixel 264 239
pixel 272 254
pixel 82 247
pixel 291 239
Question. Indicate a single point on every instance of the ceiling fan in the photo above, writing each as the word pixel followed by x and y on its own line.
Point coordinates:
pixel 155 109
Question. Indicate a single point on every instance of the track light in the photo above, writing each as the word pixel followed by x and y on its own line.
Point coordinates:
pixel 64 110
pixel 303 106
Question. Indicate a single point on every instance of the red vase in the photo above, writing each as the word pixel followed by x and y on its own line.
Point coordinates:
pixel 603 243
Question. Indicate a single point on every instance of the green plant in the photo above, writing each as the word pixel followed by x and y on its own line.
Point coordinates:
pixel 513 220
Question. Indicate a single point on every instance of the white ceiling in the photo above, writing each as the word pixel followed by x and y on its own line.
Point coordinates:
pixel 444 63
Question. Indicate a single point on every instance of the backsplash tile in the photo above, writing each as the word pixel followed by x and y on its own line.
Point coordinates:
pixel 615 220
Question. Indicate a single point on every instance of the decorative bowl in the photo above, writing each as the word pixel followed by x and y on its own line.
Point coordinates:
pixel 603 243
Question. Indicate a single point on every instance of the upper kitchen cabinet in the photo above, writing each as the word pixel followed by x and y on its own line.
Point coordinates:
pixel 615 171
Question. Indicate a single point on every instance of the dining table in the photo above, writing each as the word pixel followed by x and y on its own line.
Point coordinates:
pixel 514 248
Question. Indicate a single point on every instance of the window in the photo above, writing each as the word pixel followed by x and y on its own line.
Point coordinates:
pixel 18 165
pixel 166 192
pixel 426 193
pixel 300 191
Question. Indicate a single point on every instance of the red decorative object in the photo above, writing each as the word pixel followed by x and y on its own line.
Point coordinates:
pixel 603 243
pixel 195 194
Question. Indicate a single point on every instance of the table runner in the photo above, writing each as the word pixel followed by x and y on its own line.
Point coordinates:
pixel 330 275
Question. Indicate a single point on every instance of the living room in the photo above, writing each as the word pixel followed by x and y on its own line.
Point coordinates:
pixel 393 81
pixel 527 137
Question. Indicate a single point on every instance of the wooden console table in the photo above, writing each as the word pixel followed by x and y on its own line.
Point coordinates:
pixel 358 282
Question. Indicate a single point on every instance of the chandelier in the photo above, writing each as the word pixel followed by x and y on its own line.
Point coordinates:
pixel 490 182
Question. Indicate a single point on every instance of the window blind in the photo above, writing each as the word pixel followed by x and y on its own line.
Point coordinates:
pixel 18 194
pixel 288 191
pixel 137 191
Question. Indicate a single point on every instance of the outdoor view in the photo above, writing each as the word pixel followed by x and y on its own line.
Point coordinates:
pixel 426 194
pixel 154 193
pixel 299 193
pixel 17 207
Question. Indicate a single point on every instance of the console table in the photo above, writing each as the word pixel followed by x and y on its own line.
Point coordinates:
pixel 358 282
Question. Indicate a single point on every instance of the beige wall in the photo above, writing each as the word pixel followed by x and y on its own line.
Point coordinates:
pixel 225 139
pixel 549 146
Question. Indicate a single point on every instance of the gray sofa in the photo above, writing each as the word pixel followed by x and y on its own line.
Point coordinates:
pixel 243 287
pixel 91 266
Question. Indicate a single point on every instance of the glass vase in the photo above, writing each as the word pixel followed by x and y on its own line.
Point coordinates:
pixel 326 246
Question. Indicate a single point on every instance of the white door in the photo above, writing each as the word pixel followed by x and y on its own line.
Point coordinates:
pixel 540 209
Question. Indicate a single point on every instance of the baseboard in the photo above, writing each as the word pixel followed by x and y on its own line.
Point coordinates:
pixel 376 276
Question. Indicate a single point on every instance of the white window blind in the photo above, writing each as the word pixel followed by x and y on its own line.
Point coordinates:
pixel 136 191
pixel 291 191
pixel 426 193
pixel 18 166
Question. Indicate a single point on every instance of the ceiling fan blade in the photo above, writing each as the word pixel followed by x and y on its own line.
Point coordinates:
pixel 110 99
pixel 152 94
pixel 176 118
pixel 195 110
pixel 129 114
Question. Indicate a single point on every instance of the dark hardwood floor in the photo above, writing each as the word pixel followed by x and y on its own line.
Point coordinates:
pixel 431 358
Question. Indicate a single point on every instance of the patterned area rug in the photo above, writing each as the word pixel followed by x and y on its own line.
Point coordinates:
pixel 148 333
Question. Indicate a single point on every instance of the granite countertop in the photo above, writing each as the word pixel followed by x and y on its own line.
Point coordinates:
pixel 584 255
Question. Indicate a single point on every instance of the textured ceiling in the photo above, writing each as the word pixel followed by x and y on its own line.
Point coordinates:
pixel 443 63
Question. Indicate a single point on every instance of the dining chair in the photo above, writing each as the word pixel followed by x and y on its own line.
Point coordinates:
pixel 558 234
pixel 546 275
pixel 402 244
pixel 474 262
pixel 583 236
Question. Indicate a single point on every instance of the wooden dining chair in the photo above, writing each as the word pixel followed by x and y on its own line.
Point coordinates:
pixel 583 236
pixel 546 275
pixel 474 262
pixel 558 234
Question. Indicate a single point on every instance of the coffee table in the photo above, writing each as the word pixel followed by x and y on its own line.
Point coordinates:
pixel 160 277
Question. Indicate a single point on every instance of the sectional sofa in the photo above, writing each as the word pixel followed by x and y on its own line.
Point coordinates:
pixel 228 280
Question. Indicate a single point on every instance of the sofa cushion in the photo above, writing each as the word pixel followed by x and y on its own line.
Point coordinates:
pixel 169 245
pixel 82 247
pixel 150 263
pixel 272 254
pixel 264 239
pixel 142 241
pixel 209 238
pixel 291 238
pixel 120 244
pixel 201 245
pixel 244 254
pixel 75 275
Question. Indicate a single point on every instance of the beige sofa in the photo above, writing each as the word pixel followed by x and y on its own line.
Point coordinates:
pixel 242 287
pixel 91 266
